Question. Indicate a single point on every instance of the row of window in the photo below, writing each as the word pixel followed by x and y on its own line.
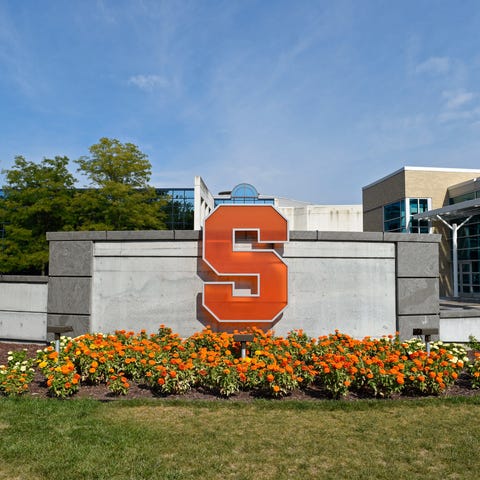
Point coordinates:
pixel 465 197
pixel 397 216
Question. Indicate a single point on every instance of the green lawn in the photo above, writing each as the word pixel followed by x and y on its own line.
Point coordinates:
pixel 84 439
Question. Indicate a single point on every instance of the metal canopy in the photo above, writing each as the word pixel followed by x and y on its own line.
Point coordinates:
pixel 451 212
pixel 449 215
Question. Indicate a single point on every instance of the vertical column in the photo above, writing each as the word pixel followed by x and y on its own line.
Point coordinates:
pixel 417 282
pixel 70 279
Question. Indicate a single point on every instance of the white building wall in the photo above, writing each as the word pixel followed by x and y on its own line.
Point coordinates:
pixel 329 218
pixel 204 202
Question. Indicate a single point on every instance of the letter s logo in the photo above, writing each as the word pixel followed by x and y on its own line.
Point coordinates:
pixel 243 264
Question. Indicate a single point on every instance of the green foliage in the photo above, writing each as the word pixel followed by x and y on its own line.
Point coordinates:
pixel 41 197
pixel 474 343
pixel 121 198
pixel 37 200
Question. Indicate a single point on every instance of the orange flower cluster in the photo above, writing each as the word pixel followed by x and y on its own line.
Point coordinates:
pixel 274 366
pixel 17 374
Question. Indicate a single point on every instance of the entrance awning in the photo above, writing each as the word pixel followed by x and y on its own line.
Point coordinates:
pixel 451 212
pixel 449 215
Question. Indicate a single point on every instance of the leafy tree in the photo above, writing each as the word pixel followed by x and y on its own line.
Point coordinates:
pixel 120 197
pixel 37 199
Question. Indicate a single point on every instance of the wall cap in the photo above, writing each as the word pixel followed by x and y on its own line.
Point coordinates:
pixel 23 279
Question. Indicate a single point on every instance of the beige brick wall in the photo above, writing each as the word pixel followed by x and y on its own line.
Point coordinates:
pixel 433 184
pixel 381 193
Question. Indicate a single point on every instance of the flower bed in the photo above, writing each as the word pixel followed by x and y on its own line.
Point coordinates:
pixel 275 366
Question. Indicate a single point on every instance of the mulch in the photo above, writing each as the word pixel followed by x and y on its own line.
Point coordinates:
pixel 38 388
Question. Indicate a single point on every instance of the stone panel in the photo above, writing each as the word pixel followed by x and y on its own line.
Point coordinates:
pixel 417 259
pixel 418 296
pixel 411 237
pixel 23 297
pixel 71 236
pixel 339 249
pixel 23 279
pixel 141 235
pixel 26 326
pixel 356 296
pixel 70 258
pixel 459 328
pixel 80 324
pixel 351 236
pixel 69 295
pixel 187 234
pixel 146 249
pixel 304 235
pixel 406 324
pixel 136 293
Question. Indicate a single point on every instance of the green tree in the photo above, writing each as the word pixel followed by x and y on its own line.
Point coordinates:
pixel 37 199
pixel 120 197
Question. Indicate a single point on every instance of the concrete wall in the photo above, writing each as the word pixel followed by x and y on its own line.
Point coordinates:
pixel 360 283
pixel 458 326
pixel 23 308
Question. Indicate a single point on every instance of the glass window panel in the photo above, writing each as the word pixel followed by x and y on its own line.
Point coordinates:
pixel 392 210
pixel 423 205
pixel 413 207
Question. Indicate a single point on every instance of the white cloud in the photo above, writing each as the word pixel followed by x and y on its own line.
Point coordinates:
pixel 458 106
pixel 148 82
pixel 455 115
pixel 434 65
pixel 457 99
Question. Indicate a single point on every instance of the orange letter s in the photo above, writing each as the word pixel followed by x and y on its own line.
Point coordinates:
pixel 260 267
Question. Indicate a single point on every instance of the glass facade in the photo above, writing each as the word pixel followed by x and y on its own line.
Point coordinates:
pixel 244 193
pixel 179 208
pixel 397 216
pixel 465 197
pixel 468 251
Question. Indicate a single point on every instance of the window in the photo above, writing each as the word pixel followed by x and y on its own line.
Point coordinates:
pixel 397 216
pixel 179 208
pixel 465 197
pixel 244 193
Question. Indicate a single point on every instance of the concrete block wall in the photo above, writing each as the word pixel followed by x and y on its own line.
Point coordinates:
pixel 23 308
pixel 417 282
pixel 364 283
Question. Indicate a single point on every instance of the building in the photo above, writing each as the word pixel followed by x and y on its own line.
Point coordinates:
pixel 300 215
pixel 433 200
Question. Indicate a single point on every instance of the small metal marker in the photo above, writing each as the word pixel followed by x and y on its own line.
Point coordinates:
pixel 243 338
pixel 57 331
pixel 427 333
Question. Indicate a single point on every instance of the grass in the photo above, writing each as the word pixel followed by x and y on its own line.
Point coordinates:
pixel 80 439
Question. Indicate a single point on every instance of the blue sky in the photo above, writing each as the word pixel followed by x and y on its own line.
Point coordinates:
pixel 304 99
